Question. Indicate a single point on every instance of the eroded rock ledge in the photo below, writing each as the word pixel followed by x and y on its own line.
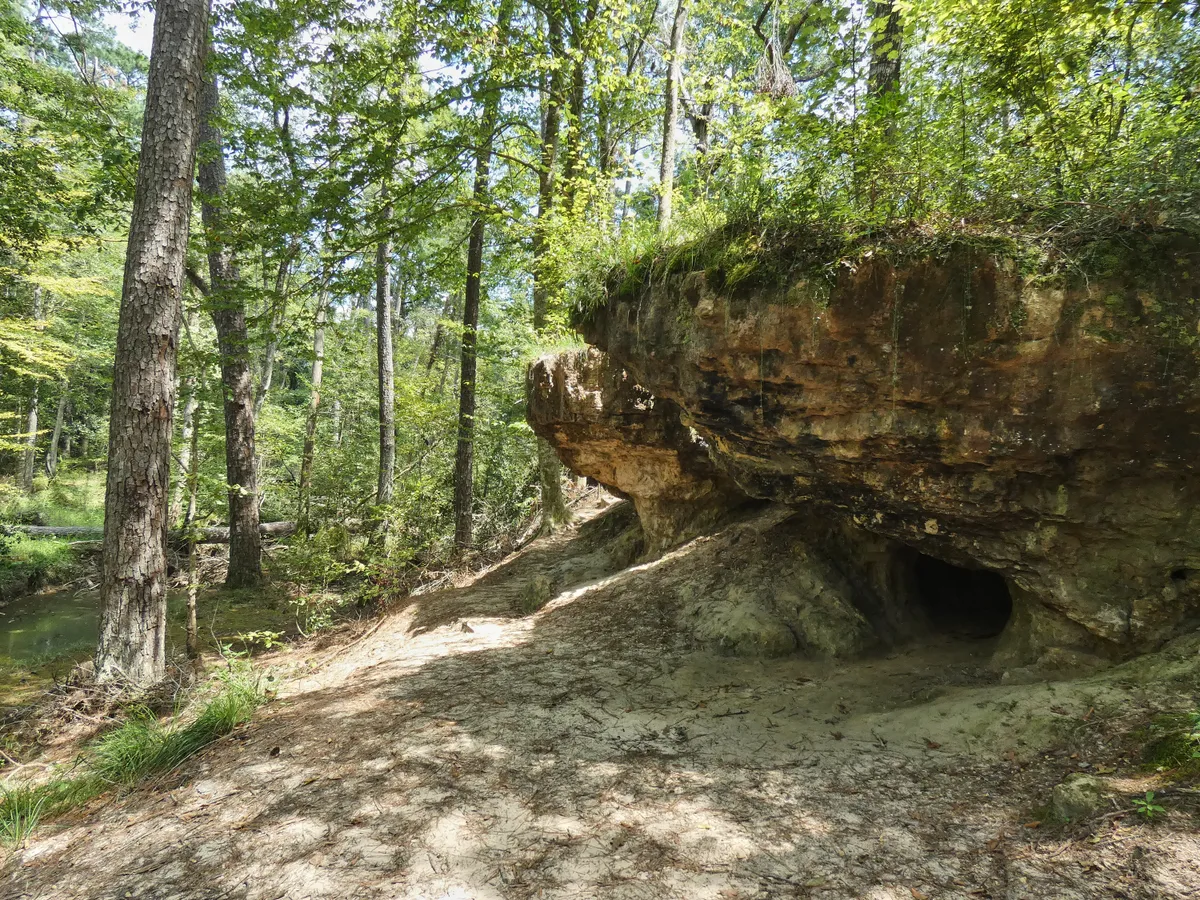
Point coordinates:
pixel 606 427
pixel 1046 430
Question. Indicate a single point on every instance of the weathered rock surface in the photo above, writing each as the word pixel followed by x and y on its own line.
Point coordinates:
pixel 606 427
pixel 1078 797
pixel 1045 429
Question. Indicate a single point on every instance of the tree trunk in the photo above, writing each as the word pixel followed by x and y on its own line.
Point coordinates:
pixel 310 423
pixel 31 425
pixel 275 325
pixel 573 168
pixel 386 364
pixel 464 457
pixel 29 457
pixel 887 44
pixel 133 596
pixel 187 459
pixel 56 436
pixel 228 309
pixel 193 584
pixel 666 171
pixel 554 508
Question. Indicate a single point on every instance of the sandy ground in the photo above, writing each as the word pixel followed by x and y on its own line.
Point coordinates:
pixel 462 749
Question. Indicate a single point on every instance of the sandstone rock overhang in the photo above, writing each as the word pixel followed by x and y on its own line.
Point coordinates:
pixel 603 425
pixel 1042 426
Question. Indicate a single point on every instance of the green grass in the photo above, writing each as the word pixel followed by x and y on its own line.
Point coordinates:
pixel 140 748
pixel 26 564
pixel 74 498
pixel 20 812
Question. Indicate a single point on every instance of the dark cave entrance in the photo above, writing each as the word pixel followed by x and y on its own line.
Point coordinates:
pixel 952 600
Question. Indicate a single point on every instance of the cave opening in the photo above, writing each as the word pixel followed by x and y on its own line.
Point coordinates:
pixel 968 603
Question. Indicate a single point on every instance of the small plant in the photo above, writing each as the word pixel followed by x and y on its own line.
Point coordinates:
pixel 1146 807
pixel 20 812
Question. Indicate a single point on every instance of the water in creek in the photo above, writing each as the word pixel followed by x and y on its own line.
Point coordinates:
pixel 43 635
pixel 47 625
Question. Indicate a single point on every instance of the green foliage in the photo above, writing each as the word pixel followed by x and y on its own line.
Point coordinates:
pixel 1147 807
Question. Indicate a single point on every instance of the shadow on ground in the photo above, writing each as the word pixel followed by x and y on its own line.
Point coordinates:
pixel 464 750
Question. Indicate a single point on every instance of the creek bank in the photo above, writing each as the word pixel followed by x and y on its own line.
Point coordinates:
pixel 955 407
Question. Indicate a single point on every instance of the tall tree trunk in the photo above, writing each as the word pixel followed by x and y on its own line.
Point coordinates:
pixel 278 310
pixel 187 459
pixel 573 168
pixel 29 457
pixel 554 508
pixel 666 170
pixel 310 422
pixel 56 435
pixel 385 362
pixel 189 525
pixel 133 596
pixel 887 44
pixel 464 457
pixel 228 308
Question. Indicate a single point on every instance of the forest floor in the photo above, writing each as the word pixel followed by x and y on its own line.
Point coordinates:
pixel 463 748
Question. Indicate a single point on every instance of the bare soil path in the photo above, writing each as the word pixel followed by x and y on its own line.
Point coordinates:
pixel 464 749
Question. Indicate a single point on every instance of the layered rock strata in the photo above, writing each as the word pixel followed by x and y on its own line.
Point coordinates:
pixel 1045 429
pixel 606 427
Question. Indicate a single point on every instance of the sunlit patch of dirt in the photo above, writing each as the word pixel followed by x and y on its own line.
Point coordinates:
pixel 463 749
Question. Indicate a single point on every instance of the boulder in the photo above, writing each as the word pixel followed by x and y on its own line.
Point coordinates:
pixel 1078 797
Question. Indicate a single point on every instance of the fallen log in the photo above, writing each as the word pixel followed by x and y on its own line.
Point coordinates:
pixel 214 535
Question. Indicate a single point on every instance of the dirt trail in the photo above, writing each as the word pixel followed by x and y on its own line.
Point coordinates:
pixel 464 750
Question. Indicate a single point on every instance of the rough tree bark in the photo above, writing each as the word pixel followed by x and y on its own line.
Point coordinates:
pixel 133 597
pixel 385 363
pixel 31 424
pixel 887 40
pixel 666 171
pixel 554 508
pixel 228 309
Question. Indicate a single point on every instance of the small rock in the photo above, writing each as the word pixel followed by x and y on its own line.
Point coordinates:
pixel 1078 797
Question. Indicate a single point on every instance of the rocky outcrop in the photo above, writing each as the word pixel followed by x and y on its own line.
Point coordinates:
pixel 957 404
pixel 1046 429
pixel 606 427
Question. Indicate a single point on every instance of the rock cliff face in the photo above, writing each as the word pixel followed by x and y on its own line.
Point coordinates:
pixel 1046 430
pixel 606 427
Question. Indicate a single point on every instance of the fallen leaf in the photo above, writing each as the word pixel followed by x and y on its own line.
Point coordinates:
pixel 932 745
pixel 917 895
pixel 1104 770
pixel 1034 824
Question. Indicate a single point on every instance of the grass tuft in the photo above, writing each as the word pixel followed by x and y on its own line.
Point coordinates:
pixel 20 812
pixel 138 749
